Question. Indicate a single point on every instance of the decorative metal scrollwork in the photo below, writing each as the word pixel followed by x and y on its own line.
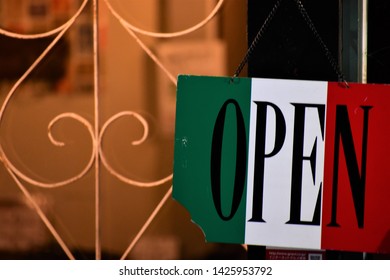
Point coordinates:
pixel 95 132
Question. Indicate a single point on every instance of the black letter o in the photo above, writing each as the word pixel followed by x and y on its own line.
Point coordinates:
pixel 241 158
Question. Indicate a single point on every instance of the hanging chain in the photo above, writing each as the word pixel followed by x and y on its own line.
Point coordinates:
pixel 309 22
pixel 328 54
pixel 257 38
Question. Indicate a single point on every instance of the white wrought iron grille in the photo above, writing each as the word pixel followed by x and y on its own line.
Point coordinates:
pixel 94 162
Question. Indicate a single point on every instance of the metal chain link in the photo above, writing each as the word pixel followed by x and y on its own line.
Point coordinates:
pixel 257 38
pixel 328 54
pixel 309 22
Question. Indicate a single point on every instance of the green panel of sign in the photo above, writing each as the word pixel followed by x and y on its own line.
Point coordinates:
pixel 212 126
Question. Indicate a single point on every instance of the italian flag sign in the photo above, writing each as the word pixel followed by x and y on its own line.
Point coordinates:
pixel 287 163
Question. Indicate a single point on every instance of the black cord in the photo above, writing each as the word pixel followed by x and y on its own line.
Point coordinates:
pixel 309 22
pixel 257 38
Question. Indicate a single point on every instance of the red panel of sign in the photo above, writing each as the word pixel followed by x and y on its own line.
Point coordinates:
pixel 356 206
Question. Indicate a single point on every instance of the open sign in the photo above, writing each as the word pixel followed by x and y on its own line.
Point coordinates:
pixel 286 163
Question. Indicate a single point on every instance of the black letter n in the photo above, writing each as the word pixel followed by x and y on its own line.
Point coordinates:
pixel 357 179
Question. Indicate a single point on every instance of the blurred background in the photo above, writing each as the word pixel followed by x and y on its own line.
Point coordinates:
pixel 128 81
pixel 32 108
